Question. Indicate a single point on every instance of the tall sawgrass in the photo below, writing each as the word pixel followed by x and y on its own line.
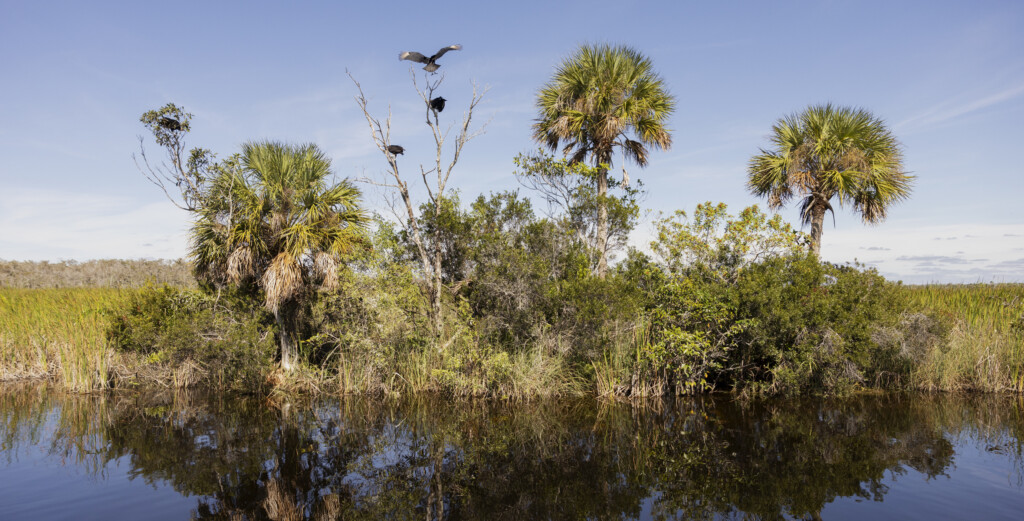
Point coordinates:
pixel 57 333
pixel 984 348
pixel 615 369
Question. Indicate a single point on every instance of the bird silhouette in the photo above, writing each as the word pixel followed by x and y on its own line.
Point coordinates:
pixel 169 123
pixel 437 104
pixel 395 149
pixel 430 61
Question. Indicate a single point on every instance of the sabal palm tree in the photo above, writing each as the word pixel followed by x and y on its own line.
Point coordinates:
pixel 828 152
pixel 276 219
pixel 601 98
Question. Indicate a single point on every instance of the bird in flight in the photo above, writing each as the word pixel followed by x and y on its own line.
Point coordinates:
pixel 395 149
pixel 437 104
pixel 431 61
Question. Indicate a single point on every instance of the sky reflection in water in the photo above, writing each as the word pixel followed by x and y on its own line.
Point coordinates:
pixel 185 455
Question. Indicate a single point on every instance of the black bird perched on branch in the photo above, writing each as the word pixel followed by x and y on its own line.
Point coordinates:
pixel 395 149
pixel 169 123
pixel 431 61
pixel 437 104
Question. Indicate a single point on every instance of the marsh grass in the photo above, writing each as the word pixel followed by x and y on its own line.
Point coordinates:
pixel 614 370
pixel 984 349
pixel 57 333
pixel 61 334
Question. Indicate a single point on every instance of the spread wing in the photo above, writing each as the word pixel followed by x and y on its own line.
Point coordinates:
pixel 446 49
pixel 413 56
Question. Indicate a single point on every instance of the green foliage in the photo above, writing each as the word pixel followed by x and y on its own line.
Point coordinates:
pixel 738 305
pixel 694 304
pixel 719 245
pixel 277 223
pixel 600 98
pixel 828 152
pixel 375 324
pixel 812 325
pixel 173 327
pixel 570 190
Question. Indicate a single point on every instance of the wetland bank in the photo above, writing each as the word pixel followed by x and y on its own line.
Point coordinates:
pixel 102 432
pixel 486 358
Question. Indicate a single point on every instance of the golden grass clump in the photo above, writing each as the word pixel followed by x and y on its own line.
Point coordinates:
pixel 57 333
pixel 984 350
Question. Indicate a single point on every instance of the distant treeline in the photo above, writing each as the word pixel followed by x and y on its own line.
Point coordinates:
pixel 112 273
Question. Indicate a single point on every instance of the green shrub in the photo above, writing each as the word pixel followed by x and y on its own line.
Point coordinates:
pixel 813 326
pixel 736 303
pixel 220 340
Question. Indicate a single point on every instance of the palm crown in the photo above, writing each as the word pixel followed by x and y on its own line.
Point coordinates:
pixel 604 97
pixel 596 97
pixel 274 219
pixel 825 152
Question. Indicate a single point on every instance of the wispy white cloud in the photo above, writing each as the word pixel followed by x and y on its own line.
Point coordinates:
pixel 53 225
pixel 911 253
pixel 954 108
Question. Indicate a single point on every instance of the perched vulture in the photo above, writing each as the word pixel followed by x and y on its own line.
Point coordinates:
pixel 437 104
pixel 432 60
pixel 169 123
pixel 395 149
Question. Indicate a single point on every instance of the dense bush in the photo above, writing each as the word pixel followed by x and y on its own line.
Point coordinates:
pixel 736 303
pixel 725 303
pixel 195 336
pixel 810 326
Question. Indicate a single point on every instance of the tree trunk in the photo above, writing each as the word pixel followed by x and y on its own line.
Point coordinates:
pixel 436 290
pixel 431 267
pixel 288 354
pixel 602 218
pixel 817 220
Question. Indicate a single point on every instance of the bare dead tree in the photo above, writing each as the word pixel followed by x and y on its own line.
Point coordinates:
pixel 435 179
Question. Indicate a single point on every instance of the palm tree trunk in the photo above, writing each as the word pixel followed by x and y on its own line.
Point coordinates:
pixel 817 220
pixel 602 216
pixel 288 354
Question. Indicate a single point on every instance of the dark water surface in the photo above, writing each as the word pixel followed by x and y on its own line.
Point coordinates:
pixel 190 456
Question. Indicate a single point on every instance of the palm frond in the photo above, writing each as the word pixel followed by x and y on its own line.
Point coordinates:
pixel 828 151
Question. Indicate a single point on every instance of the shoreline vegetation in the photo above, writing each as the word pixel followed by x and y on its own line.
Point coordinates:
pixel 945 337
pixel 294 286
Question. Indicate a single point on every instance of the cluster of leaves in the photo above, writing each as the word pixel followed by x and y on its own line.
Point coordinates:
pixel 526 279
pixel 224 335
pixel 737 303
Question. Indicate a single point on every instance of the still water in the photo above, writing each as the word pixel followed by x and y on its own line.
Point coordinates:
pixel 193 456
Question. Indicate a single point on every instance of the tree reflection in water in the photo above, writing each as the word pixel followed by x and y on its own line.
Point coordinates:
pixel 428 458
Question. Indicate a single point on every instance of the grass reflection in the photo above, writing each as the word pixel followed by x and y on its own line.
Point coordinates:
pixel 425 457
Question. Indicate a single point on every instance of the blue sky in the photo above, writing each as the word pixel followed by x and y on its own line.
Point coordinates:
pixel 948 77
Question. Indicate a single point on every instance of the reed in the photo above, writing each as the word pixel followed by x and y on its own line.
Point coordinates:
pixel 984 350
pixel 57 333
pixel 615 370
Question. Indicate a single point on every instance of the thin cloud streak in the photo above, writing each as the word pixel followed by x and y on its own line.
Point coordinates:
pixel 48 225
pixel 939 114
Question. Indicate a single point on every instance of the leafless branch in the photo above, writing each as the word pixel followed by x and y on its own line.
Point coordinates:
pixel 429 250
